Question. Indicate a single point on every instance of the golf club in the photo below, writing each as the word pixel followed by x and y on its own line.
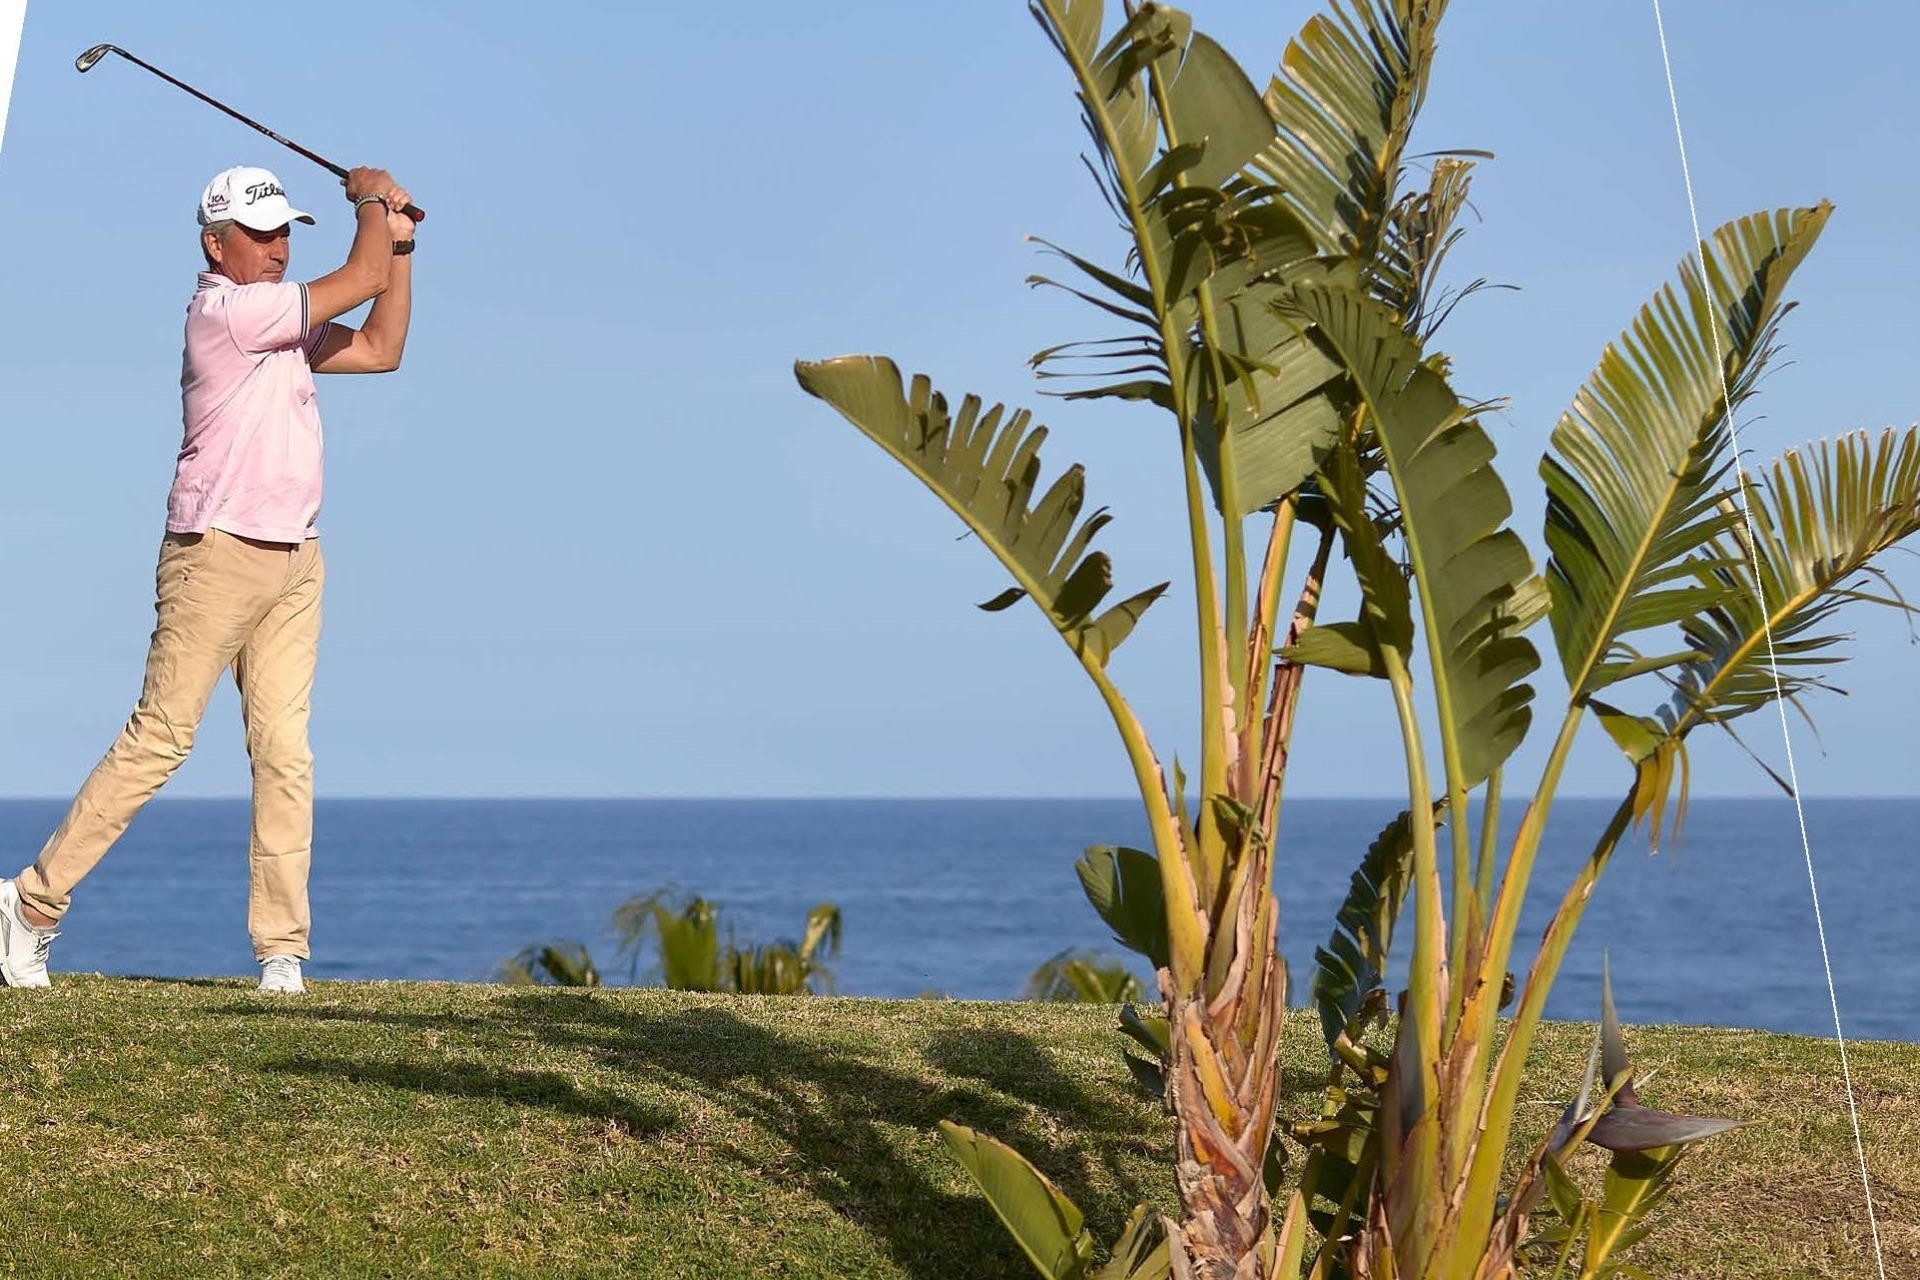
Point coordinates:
pixel 84 63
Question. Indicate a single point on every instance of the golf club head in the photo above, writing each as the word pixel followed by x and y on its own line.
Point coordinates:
pixel 84 63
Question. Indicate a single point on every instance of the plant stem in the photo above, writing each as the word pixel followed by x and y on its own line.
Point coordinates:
pixel 1208 856
pixel 1259 659
pixel 1458 928
pixel 1489 838
pixel 1429 966
pixel 1473 899
pixel 1285 696
pixel 1480 999
pixel 1218 743
pixel 1186 941
pixel 1362 1179
pixel 1526 846
pixel 1496 1117
pixel 1427 973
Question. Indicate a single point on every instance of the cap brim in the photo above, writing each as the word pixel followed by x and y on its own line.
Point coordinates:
pixel 264 220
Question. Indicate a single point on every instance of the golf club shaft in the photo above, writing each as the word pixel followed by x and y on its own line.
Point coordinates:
pixel 412 211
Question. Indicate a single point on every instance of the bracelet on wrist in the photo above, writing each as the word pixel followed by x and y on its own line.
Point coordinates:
pixel 401 248
pixel 379 200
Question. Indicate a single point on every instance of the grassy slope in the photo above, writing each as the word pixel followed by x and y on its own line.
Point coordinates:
pixel 191 1128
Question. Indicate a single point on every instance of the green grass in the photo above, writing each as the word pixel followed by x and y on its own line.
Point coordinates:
pixel 193 1128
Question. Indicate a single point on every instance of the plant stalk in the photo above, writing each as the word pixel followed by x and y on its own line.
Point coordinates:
pixel 1207 858
pixel 1427 973
pixel 1496 1117
pixel 1220 743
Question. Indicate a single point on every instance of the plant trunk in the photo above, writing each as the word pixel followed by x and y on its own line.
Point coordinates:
pixel 1223 1084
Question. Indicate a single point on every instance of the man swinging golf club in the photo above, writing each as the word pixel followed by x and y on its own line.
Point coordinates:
pixel 239 579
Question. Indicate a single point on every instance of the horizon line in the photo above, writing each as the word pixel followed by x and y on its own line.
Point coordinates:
pixel 867 797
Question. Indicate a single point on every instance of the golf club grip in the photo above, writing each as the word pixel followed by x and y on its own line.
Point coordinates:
pixel 413 211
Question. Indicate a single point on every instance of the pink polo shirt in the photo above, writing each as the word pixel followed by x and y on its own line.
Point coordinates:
pixel 250 460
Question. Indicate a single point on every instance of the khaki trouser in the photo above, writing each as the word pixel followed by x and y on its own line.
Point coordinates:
pixel 222 601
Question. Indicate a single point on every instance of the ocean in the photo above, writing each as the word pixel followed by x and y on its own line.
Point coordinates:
pixel 966 897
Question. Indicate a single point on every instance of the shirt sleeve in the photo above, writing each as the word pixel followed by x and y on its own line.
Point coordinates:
pixel 267 317
pixel 316 336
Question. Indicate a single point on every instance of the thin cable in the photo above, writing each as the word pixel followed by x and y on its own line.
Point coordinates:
pixel 1766 620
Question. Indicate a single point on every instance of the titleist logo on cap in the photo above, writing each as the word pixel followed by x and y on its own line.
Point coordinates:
pixel 250 196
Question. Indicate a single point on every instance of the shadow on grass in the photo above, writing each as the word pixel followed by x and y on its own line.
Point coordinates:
pixel 1016 1066
pixel 544 1089
pixel 838 1110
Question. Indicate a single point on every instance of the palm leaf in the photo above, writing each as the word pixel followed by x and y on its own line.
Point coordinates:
pixel 823 925
pixel 1421 231
pixel 1197 218
pixel 1123 885
pixel 1039 1216
pixel 1343 106
pixel 1141 1251
pixel 1638 465
pixel 1121 121
pixel 1255 379
pixel 1474 574
pixel 1079 976
pixel 986 468
pixel 557 964
pixel 1354 960
pixel 1274 392
pixel 771 969
pixel 687 931
pixel 1820 516
pixel 1344 100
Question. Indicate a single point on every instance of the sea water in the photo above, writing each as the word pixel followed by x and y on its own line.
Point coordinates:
pixel 967 897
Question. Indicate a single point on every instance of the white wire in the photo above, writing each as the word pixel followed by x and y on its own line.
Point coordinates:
pixel 1766 618
pixel 13 20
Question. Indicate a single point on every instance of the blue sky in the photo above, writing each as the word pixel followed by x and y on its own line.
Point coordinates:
pixel 592 540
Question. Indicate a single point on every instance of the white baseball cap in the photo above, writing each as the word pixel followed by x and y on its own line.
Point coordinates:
pixel 251 197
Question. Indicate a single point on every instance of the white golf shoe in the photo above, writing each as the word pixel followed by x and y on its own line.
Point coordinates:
pixel 280 975
pixel 23 947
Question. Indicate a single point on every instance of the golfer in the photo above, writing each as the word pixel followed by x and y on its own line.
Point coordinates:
pixel 239 579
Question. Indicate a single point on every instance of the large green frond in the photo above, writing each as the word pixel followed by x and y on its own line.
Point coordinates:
pixel 1180 182
pixel 985 465
pixel 1820 517
pixel 1638 465
pixel 1344 100
pixel 1354 960
pixel 1473 574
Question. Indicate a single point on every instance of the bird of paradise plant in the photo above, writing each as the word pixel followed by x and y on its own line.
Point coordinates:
pixel 1281 302
pixel 693 952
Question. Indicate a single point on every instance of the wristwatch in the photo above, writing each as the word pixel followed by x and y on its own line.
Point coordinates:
pixel 402 247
